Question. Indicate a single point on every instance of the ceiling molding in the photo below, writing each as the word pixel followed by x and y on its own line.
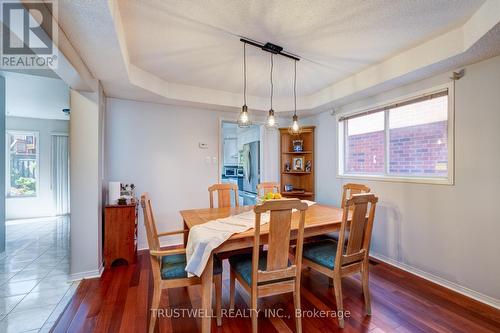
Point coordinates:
pixel 440 49
pixel 445 46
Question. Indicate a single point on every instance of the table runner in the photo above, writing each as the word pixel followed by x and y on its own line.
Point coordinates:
pixel 206 237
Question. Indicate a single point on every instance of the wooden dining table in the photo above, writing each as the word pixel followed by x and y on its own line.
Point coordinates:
pixel 320 219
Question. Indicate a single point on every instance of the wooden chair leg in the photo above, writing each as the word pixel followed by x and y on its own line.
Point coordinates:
pixel 366 288
pixel 232 286
pixel 337 285
pixel 218 298
pixel 253 311
pixel 298 319
pixel 155 303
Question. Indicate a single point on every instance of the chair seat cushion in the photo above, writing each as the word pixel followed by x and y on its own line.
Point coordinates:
pixel 335 235
pixel 242 263
pixel 173 266
pixel 322 252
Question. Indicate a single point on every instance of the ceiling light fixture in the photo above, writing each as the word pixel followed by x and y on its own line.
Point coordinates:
pixel 244 119
pixel 271 119
pixel 295 128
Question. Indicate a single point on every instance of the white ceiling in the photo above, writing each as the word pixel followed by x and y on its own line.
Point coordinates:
pixel 35 96
pixel 197 42
pixel 188 52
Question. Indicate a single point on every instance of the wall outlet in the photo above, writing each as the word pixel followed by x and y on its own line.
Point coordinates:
pixel 203 145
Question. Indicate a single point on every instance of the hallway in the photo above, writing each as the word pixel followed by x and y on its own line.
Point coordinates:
pixel 34 272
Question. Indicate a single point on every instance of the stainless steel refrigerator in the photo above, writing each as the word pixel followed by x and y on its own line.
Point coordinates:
pixel 251 168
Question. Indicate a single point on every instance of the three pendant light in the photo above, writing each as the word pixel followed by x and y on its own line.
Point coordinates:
pixel 244 119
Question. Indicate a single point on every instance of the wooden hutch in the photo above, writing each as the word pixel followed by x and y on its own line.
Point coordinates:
pixel 293 164
pixel 120 233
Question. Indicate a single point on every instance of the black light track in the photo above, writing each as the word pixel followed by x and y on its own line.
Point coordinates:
pixel 270 47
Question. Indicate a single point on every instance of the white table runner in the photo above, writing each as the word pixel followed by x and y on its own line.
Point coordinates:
pixel 206 237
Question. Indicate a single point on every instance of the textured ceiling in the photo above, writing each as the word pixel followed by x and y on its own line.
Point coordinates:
pixel 188 52
pixel 43 97
pixel 196 42
pixel 90 29
pixel 488 46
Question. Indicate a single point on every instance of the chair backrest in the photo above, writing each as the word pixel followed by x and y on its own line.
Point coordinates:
pixel 267 187
pixel 350 189
pixel 280 225
pixel 223 195
pixel 149 223
pixel 360 229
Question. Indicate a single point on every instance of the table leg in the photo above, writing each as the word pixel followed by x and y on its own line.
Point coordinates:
pixel 186 234
pixel 206 296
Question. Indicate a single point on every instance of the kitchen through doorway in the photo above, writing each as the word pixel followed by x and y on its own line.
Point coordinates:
pixel 241 159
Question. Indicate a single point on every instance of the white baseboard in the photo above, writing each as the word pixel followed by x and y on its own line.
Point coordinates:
pixel 442 282
pixel 87 275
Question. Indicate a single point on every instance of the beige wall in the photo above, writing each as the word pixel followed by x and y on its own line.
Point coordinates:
pixel 446 233
pixel 155 146
pixel 86 167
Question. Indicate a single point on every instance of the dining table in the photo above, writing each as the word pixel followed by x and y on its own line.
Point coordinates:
pixel 319 220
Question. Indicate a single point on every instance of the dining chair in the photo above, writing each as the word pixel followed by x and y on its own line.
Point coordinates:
pixel 327 257
pixel 267 273
pixel 224 200
pixel 267 187
pixel 223 195
pixel 348 191
pixel 168 266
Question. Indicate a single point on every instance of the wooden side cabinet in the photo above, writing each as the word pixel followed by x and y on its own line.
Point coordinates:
pixel 120 234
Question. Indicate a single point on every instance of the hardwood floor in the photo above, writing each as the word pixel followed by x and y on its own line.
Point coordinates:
pixel 401 302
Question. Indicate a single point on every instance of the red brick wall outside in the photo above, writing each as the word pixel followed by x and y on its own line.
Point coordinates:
pixel 420 150
pixel 366 153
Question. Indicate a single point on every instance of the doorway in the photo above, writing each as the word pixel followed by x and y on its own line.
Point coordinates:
pixel 34 268
pixel 241 159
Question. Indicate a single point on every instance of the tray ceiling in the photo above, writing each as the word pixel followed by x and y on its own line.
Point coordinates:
pixel 188 52
pixel 197 42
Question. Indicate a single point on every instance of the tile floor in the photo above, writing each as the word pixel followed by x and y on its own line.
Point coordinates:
pixel 34 273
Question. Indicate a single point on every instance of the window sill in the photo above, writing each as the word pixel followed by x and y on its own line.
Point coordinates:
pixel 22 197
pixel 395 179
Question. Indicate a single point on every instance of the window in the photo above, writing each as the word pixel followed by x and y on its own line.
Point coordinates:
pixel 404 140
pixel 365 144
pixel 22 148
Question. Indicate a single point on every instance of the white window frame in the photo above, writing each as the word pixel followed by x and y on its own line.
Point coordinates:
pixel 341 142
pixel 7 162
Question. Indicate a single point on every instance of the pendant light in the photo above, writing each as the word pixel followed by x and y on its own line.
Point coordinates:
pixel 295 128
pixel 244 119
pixel 271 119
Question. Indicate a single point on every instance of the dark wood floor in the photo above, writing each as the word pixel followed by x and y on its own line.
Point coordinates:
pixel 401 302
